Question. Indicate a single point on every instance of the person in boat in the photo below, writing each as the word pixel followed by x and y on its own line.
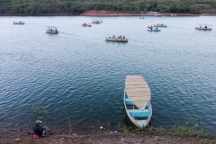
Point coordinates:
pixel 51 30
pixel 123 37
pixel 56 30
pixel 38 130
pixel 205 26
pixel 119 37
pixel 113 36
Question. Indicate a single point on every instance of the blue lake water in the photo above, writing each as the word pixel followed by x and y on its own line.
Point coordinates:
pixel 77 77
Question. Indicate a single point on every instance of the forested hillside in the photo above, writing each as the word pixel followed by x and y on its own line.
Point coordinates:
pixel 37 7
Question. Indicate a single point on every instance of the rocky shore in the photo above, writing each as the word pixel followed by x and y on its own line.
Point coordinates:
pixel 10 137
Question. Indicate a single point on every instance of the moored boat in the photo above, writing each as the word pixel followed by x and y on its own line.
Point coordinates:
pixel 116 39
pixel 137 96
pixel 52 30
pixel 18 23
pixel 86 25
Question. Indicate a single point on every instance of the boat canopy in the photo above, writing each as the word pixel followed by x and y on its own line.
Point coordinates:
pixel 137 91
pixel 52 27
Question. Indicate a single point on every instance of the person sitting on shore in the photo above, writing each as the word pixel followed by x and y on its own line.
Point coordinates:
pixel 38 130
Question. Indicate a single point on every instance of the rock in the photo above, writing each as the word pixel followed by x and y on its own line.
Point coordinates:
pixel 17 139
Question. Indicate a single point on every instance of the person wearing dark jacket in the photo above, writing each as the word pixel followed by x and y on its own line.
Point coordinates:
pixel 38 130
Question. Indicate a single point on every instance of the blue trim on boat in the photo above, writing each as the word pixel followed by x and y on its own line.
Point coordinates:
pixel 128 101
pixel 139 113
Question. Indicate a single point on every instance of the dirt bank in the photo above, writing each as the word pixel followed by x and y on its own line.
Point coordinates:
pixel 11 137
pixel 111 14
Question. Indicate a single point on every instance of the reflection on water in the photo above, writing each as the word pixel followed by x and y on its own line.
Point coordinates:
pixel 77 75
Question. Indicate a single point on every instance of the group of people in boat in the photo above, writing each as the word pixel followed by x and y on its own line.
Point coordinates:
pixel 204 27
pixel 52 29
pixel 119 37
pixel 161 24
pixel 19 22
pixel 151 28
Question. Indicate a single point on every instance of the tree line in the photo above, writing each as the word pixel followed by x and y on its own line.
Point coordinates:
pixel 37 7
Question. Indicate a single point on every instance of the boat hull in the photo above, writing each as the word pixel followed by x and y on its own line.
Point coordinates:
pixel 163 26
pixel 52 32
pixel 147 113
pixel 208 29
pixel 153 30
pixel 86 25
pixel 116 39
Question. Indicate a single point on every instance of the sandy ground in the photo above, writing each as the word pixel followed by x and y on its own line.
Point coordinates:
pixel 11 137
pixel 109 13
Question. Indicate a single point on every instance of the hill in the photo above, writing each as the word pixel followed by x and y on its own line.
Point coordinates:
pixel 76 7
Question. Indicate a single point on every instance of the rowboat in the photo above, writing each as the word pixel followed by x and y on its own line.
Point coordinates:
pixel 160 25
pixel 137 96
pixel 52 30
pixel 18 23
pixel 116 39
pixel 96 21
pixel 153 29
pixel 203 27
pixel 86 25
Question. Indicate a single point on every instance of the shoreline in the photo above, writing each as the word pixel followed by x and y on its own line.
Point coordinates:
pixel 150 14
pixel 112 14
pixel 148 135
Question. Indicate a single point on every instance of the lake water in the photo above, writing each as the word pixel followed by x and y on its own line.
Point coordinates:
pixel 77 78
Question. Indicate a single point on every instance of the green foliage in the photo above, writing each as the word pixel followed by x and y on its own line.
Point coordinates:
pixel 37 7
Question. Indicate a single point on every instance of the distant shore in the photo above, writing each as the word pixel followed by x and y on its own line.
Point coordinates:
pixel 111 14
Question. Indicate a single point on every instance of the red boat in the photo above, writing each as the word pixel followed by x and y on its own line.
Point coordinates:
pixel 86 25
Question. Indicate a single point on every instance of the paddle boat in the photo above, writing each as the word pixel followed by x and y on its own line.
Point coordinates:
pixel 142 17
pixel 96 21
pixel 116 39
pixel 160 25
pixel 86 25
pixel 52 30
pixel 153 29
pixel 203 27
pixel 137 96
pixel 18 23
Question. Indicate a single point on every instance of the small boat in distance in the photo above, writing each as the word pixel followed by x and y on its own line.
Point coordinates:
pixel 137 96
pixel 153 29
pixel 142 17
pixel 204 27
pixel 173 14
pixel 86 25
pixel 96 21
pixel 116 39
pixel 18 23
pixel 160 25
pixel 52 30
